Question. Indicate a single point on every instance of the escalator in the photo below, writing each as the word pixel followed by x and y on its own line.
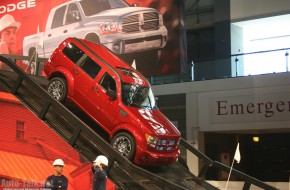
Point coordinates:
pixel 76 132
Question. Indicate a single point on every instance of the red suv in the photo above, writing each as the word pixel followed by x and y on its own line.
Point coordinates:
pixel 116 96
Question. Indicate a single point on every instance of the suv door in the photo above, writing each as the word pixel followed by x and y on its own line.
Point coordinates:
pixel 84 71
pixel 107 108
pixel 65 23
pixel 53 33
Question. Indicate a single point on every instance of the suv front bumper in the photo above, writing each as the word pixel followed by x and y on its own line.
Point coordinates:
pixel 149 158
pixel 124 43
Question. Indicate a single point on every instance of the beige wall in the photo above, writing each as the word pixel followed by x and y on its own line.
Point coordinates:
pixel 242 10
pixel 258 102
pixel 201 108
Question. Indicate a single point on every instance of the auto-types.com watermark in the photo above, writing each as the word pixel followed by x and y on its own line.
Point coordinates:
pixel 24 188
pixel 7 184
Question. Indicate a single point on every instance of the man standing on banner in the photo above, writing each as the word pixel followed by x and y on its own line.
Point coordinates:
pixel 8 38
pixel 100 175
pixel 8 29
pixel 57 181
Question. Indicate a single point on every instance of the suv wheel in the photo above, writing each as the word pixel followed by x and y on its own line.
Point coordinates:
pixel 125 144
pixel 93 38
pixel 57 88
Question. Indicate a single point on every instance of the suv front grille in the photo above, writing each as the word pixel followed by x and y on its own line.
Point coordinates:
pixel 165 145
pixel 140 22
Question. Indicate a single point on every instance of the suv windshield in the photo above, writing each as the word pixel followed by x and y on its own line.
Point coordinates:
pixel 92 7
pixel 138 96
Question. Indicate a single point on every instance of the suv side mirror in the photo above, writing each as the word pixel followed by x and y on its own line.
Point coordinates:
pixel 135 5
pixel 112 94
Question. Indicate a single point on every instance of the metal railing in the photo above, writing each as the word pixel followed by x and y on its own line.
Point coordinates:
pixel 208 163
pixel 276 60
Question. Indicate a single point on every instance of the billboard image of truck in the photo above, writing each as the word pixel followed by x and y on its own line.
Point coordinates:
pixel 144 32
pixel 116 25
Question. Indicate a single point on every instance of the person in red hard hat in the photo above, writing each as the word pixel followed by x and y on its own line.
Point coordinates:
pixel 100 175
pixel 57 181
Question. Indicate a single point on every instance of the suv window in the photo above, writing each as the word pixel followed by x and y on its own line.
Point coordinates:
pixel 92 7
pixel 58 17
pixel 90 67
pixel 73 52
pixel 79 57
pixel 138 96
pixel 73 14
pixel 108 82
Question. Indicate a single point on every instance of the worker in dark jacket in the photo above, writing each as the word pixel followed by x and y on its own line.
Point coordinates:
pixel 100 175
pixel 57 181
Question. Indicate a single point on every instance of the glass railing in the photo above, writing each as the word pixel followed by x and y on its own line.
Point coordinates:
pixel 261 62
pixel 239 65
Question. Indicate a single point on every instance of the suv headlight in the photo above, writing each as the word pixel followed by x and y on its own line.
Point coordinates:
pixel 151 141
pixel 108 28
pixel 160 20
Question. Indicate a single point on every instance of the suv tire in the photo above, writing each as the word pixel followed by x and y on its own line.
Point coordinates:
pixel 125 144
pixel 57 88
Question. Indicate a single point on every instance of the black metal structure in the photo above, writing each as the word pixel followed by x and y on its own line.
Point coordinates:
pixel 208 163
pixel 88 143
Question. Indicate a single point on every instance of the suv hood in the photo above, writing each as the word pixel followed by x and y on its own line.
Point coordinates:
pixel 155 122
pixel 115 14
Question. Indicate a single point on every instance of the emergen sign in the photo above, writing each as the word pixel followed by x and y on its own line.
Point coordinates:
pixel 268 109
pixel 250 108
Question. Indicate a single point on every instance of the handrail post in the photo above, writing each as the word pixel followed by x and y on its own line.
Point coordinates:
pixel 286 55
pixel 237 60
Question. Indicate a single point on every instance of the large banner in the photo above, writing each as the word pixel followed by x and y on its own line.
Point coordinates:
pixel 149 34
pixel 28 148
